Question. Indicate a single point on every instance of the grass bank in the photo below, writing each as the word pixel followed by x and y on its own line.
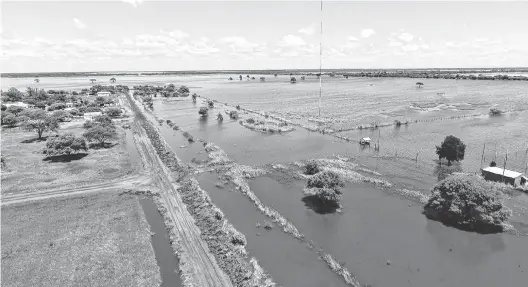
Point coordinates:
pixel 100 239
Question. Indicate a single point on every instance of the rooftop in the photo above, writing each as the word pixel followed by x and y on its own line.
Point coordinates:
pixel 500 171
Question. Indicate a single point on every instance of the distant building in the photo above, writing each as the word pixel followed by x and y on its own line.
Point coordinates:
pixel 91 116
pixel 17 104
pixel 103 94
pixel 498 174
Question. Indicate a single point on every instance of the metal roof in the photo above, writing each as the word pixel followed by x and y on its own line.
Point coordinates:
pixel 501 171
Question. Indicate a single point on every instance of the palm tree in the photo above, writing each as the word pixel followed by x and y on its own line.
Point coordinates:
pixel 93 80
pixel 113 80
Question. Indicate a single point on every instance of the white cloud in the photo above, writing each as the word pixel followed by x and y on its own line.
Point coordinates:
pixel 240 44
pixel 366 33
pixel 134 3
pixel 291 41
pixel 310 30
pixel 79 24
pixel 352 38
pixel 394 43
pixel 177 34
pixel 406 37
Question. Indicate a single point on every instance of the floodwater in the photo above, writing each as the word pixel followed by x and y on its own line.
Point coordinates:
pixel 167 261
pixel 375 228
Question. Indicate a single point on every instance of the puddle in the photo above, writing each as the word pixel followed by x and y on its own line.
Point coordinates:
pixel 131 148
pixel 165 257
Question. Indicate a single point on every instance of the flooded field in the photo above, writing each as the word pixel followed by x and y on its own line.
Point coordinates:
pixel 381 236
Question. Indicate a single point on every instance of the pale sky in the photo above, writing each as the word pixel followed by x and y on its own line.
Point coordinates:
pixel 134 35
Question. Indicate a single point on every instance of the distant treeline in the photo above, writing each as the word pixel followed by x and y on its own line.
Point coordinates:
pixel 391 72
pixel 436 75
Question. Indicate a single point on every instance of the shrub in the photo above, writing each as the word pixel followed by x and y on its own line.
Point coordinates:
pixel 183 90
pixel 452 149
pixel 293 80
pixel 203 111
pixel 65 144
pixel 467 202
pixel 88 124
pixel 325 179
pixel 250 121
pixel 113 112
pixel 103 120
pixel 101 134
pixel 57 106
pixel 194 96
pixel 210 104
pixel 9 120
pixel 397 123
pixel 219 117
pixel 238 107
pixel 233 115
pixel 15 110
pixel 311 168
pixel 495 112
pixel 175 127
pixel 61 115
pixel 4 107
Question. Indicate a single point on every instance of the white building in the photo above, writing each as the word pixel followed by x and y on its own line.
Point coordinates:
pixel 91 116
pixel 103 94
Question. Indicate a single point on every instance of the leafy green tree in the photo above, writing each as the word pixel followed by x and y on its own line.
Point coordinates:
pixel 100 100
pixel 12 95
pixel 452 149
pixel 101 134
pixel 113 112
pixel 61 115
pixel 113 80
pixel 203 111
pixel 39 121
pixel 9 120
pixel 4 107
pixel 93 80
pixel 15 110
pixel 57 106
pixel 65 144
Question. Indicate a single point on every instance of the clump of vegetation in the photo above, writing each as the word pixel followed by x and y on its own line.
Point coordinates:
pixel 61 115
pixel 194 96
pixel 113 112
pixel 219 117
pixel 9 120
pixel 397 123
pixel 65 144
pixel 250 121
pixel 268 225
pixel 238 107
pixel 311 168
pixel 323 191
pixel 452 149
pixel 101 130
pixel 495 112
pixel 175 127
pixel 39 121
pixel 293 80
pixel 468 202
pixel 204 111
pixel 210 104
pixel 233 115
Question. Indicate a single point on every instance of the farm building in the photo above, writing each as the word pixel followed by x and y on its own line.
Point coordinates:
pixel 498 174
pixel 91 116
pixel 103 94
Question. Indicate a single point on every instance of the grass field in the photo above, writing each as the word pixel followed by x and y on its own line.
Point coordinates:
pixel 100 239
pixel 27 171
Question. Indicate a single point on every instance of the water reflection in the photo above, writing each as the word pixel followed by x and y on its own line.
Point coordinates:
pixel 468 247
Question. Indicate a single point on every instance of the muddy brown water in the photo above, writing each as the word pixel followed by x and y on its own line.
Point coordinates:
pixel 167 261
pixel 289 261
pixel 374 228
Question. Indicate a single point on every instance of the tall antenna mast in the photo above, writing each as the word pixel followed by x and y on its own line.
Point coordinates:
pixel 321 61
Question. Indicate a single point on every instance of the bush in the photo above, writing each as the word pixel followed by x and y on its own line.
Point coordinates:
pixel 238 107
pixel 326 179
pixel 250 121
pixel 219 117
pixel 495 112
pixel 61 115
pixel 4 107
pixel 233 115
pixel 57 106
pixel 15 110
pixel 9 120
pixel 203 111
pixel 210 104
pixel 183 90
pixel 194 96
pixel 113 112
pixel 468 202
pixel 65 144
pixel 452 149
pixel 311 168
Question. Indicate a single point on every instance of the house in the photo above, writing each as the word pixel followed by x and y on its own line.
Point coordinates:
pixel 498 174
pixel 103 94
pixel 91 116
pixel 17 104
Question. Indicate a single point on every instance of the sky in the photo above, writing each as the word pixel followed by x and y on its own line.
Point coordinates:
pixel 143 35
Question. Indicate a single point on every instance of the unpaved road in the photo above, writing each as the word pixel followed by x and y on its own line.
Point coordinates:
pixel 198 262
pixel 128 182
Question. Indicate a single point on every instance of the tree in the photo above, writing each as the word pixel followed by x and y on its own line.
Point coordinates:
pixel 325 186
pixel 12 95
pixel 93 80
pixel 452 149
pixel 210 104
pixel 101 134
pixel 419 84
pixel 9 120
pixel 37 80
pixel 468 202
pixel 311 168
pixel 183 90
pixel 293 80
pixel 194 96
pixel 219 117
pixel 61 115
pixel 233 115
pixel 65 144
pixel 100 100
pixel 39 121
pixel 57 106
pixel 113 112
pixel 203 111
pixel 113 80
pixel 15 110
pixel 4 107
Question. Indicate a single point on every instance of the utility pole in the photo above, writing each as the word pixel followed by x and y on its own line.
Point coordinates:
pixel 525 162
pixel 321 61
pixel 482 157
pixel 505 161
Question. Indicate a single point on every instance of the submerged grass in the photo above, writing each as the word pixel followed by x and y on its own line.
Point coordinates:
pixel 98 239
